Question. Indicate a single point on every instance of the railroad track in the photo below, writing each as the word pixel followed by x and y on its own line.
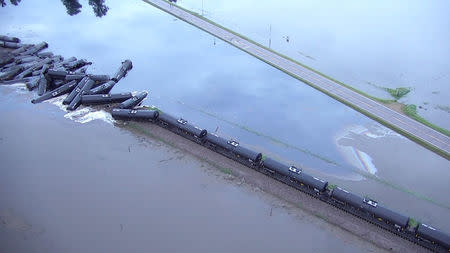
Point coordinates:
pixel 324 197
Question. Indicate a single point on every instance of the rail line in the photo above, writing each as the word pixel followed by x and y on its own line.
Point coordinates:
pixel 324 197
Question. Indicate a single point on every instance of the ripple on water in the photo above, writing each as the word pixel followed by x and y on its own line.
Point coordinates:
pixel 82 115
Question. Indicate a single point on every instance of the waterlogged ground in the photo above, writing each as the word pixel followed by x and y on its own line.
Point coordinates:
pixel 365 44
pixel 73 187
pixel 218 87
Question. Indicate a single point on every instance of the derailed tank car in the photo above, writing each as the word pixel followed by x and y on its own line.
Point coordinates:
pixel 182 125
pixel 433 235
pixel 131 114
pixel 101 99
pixel 295 173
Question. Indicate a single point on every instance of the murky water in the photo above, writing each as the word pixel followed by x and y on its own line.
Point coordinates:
pixel 71 187
pixel 216 86
pixel 364 44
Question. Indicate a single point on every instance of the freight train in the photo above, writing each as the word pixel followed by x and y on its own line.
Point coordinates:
pixel 365 208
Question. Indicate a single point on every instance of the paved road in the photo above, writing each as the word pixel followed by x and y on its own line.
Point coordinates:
pixel 366 105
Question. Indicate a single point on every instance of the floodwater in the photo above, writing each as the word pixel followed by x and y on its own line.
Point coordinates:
pixel 71 187
pixel 362 43
pixel 218 87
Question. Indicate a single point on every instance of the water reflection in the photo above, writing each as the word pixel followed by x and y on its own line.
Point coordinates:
pixel 14 2
pixel 74 7
pixel 99 7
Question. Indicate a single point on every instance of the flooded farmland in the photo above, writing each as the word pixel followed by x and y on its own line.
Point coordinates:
pixel 189 73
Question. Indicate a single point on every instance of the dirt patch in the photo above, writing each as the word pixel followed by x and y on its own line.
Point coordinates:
pixel 396 106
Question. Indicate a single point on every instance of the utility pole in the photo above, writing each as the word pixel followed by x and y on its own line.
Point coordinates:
pixel 270 35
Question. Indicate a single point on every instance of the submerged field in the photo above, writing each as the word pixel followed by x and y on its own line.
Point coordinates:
pixel 360 44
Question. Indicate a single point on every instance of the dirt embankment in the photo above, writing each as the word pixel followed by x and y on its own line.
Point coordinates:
pixel 240 174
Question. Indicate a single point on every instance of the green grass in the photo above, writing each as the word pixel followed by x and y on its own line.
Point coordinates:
pixel 227 171
pixel 152 108
pixel 398 92
pixel 331 186
pixel 411 111
pixel 320 216
pixel 413 223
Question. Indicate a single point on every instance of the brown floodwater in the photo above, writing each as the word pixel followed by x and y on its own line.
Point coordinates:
pixel 71 187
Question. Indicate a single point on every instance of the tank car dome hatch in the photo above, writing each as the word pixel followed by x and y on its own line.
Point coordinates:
pixel 294 169
pixel 233 143
pixel 182 121
pixel 370 202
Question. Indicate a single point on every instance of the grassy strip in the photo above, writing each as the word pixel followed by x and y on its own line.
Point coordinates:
pixel 411 111
pixel 227 171
pixel 413 223
pixel 273 139
pixel 385 101
pixel 398 92
pixel 152 108
pixel 331 186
